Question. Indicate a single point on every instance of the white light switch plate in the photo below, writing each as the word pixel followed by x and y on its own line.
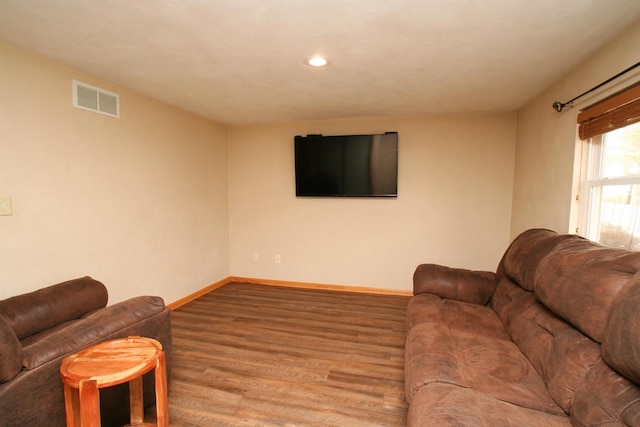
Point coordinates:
pixel 5 205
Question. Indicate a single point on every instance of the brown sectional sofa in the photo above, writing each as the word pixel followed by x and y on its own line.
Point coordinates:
pixel 38 329
pixel 551 339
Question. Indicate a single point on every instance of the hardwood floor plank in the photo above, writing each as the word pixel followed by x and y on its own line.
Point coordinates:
pixel 255 355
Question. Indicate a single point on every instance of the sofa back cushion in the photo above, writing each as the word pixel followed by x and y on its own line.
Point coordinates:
pixel 34 312
pixel 521 259
pixel 561 268
pixel 559 353
pixel 579 279
pixel 558 297
pixel 610 394
pixel 621 343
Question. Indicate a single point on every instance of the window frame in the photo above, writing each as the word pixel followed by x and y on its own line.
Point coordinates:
pixel 593 182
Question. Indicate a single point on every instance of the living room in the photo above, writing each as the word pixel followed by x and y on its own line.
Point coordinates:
pixel 166 202
pixel 187 190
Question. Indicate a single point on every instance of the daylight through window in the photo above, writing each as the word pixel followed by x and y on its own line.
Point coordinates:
pixel 611 191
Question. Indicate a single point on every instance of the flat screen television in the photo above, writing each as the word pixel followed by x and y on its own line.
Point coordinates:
pixel 347 165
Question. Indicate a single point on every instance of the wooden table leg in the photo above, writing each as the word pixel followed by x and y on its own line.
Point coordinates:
pixel 89 403
pixel 71 406
pixel 136 405
pixel 162 407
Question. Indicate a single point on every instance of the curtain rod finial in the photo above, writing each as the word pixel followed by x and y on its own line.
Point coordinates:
pixel 558 106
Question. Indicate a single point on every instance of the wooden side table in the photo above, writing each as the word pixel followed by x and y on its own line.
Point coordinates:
pixel 111 363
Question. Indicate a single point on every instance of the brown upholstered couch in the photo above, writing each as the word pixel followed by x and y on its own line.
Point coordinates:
pixel 551 339
pixel 39 328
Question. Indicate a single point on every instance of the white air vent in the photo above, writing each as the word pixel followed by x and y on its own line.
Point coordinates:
pixel 94 99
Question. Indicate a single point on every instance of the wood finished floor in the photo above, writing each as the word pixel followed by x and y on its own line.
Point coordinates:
pixel 254 355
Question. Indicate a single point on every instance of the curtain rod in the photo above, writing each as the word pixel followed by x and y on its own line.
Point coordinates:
pixel 559 106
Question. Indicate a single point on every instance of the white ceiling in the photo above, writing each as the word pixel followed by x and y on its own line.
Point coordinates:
pixel 241 61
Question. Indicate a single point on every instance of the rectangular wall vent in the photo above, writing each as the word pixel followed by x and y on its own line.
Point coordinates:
pixel 94 99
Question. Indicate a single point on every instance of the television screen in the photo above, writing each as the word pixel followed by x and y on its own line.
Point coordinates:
pixel 347 166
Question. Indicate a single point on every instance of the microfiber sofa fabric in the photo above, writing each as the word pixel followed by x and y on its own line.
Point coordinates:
pixel 40 328
pixel 551 338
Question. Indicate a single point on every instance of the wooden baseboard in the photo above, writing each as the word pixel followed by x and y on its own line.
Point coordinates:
pixel 189 298
pixel 306 285
pixel 289 284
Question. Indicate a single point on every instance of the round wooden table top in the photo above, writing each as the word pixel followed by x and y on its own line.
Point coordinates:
pixel 111 362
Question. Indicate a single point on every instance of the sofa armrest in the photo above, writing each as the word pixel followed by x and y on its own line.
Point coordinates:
pixel 454 283
pixel 10 351
pixel 34 312
pixel 115 321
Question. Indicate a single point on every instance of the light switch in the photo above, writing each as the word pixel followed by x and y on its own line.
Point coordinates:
pixel 5 205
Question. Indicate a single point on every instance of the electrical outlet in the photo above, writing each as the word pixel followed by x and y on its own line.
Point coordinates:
pixel 256 257
pixel 277 259
pixel 5 206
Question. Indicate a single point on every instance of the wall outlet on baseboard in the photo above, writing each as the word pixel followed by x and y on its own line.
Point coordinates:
pixel 256 257
pixel 277 259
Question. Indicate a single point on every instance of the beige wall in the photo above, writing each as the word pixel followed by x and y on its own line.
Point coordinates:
pixel 453 206
pixel 139 202
pixel 544 186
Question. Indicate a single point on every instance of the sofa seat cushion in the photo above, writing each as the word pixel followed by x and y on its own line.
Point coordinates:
pixel 450 405
pixel 91 329
pixel 458 315
pixel 467 353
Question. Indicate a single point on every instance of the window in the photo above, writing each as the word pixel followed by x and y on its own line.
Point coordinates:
pixel 610 193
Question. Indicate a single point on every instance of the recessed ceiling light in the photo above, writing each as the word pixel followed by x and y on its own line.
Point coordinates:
pixel 317 61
